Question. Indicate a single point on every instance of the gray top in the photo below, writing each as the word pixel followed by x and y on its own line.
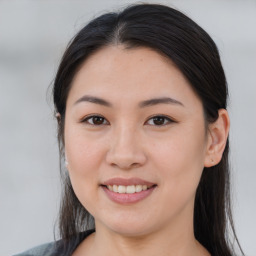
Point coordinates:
pixel 58 248
pixel 44 249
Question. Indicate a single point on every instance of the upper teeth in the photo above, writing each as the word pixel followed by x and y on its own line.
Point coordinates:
pixel 127 189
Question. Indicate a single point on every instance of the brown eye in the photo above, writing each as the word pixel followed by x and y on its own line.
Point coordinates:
pixel 94 120
pixel 160 120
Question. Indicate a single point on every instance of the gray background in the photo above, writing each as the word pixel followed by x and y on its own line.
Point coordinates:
pixel 33 35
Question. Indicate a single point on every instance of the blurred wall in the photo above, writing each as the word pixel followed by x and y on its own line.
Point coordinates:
pixel 33 35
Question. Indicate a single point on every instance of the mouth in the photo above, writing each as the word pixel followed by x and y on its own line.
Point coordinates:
pixel 127 191
pixel 131 189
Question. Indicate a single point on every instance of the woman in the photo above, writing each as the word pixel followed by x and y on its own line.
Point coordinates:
pixel 140 98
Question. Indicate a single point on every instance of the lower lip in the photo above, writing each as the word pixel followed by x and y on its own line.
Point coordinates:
pixel 128 198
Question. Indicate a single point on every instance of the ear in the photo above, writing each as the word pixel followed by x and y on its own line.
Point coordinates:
pixel 66 160
pixel 217 139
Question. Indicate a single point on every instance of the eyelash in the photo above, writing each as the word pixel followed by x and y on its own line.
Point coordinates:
pixel 169 120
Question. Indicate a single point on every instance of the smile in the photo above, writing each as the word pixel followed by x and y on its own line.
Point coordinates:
pixel 128 189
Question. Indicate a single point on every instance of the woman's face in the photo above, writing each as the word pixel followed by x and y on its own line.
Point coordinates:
pixel 132 119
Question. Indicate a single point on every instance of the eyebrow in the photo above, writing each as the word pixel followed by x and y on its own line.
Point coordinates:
pixel 146 103
pixel 92 99
pixel 155 101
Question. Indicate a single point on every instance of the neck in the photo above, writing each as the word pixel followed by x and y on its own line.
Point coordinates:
pixel 178 241
pixel 153 244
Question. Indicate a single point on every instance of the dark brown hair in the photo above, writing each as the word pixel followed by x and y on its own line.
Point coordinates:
pixel 176 36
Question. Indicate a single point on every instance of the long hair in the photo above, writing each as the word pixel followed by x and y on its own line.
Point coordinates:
pixel 174 35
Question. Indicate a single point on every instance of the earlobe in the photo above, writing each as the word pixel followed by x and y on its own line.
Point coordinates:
pixel 217 139
pixel 66 161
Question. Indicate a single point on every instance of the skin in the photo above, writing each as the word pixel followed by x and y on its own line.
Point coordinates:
pixel 128 143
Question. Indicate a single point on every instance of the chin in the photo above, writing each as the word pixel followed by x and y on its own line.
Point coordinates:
pixel 130 232
pixel 129 227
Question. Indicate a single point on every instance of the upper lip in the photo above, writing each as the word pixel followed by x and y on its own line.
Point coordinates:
pixel 127 182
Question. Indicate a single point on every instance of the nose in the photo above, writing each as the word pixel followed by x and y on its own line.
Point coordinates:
pixel 125 150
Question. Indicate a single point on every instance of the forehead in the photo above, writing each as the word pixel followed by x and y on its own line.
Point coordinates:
pixel 121 74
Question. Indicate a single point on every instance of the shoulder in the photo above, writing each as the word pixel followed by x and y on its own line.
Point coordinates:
pixel 48 249
pixel 57 248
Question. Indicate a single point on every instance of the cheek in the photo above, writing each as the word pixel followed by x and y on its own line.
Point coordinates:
pixel 84 158
pixel 83 154
pixel 180 161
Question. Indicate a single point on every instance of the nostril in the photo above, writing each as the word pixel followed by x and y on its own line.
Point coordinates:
pixel 124 165
pixel 125 157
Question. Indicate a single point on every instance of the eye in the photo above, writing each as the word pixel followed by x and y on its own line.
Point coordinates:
pixel 160 120
pixel 95 120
